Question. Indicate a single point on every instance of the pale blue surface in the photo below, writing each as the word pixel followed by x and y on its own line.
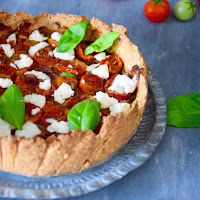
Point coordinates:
pixel 172 50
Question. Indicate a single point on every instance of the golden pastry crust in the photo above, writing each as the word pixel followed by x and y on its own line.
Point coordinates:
pixel 78 150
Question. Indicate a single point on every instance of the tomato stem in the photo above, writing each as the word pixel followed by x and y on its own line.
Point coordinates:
pixel 157 2
pixel 192 6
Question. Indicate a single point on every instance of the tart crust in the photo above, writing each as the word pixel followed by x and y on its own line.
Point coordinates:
pixel 78 150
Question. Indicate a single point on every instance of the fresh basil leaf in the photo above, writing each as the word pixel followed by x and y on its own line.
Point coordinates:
pixel 12 107
pixel 184 111
pixel 67 74
pixel 84 115
pixel 102 43
pixel 72 37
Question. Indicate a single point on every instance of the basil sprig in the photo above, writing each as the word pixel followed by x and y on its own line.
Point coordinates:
pixel 67 74
pixel 84 115
pixel 184 111
pixel 12 107
pixel 72 37
pixel 102 43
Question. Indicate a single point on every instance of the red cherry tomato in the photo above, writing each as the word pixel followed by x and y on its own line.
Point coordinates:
pixel 114 63
pixel 90 84
pixel 79 67
pixel 80 53
pixel 28 115
pixel 43 57
pixel 199 1
pixel 157 10
pixel 115 94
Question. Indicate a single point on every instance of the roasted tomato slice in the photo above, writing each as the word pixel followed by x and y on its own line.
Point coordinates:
pixel 3 41
pixel 72 101
pixel 20 49
pixel 24 41
pixel 6 71
pixel 44 57
pixel 28 113
pixel 114 63
pixel 105 112
pixel 66 79
pixel 51 71
pixel 53 110
pixel 58 115
pixel 115 94
pixel 47 93
pixel 52 43
pixel 26 83
pixel 2 90
pixel 24 29
pixel 80 53
pixel 79 67
pixel 90 84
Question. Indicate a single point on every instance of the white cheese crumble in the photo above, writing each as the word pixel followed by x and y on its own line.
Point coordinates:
pixel 35 48
pixel 58 127
pixel 50 53
pixel 45 85
pixel 37 36
pixel 7 49
pixel 56 36
pixel 24 61
pixel 36 99
pixel 83 81
pixel 101 71
pixel 38 74
pixel 63 92
pixel 91 67
pixel 35 111
pixel 29 130
pixel 12 37
pixel 70 66
pixel 123 84
pixel 120 107
pixel 5 82
pixel 64 56
pixel 5 128
pixel 105 100
pixel 100 56
pixel 13 65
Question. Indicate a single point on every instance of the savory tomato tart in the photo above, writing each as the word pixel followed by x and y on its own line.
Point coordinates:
pixel 72 92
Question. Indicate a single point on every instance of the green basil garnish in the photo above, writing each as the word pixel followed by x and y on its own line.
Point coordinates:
pixel 72 37
pixel 102 43
pixel 12 107
pixel 184 111
pixel 84 115
pixel 67 74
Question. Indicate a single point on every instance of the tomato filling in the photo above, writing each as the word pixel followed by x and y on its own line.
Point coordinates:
pixel 45 78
